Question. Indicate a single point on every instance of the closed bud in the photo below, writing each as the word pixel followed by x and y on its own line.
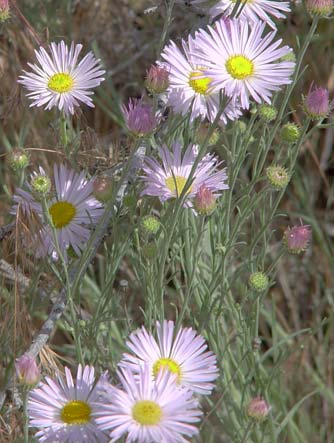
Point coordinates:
pixel 290 133
pixel 258 409
pixel 157 79
pixel 150 251
pixel 267 113
pixel 18 159
pixel 204 201
pixel 103 189
pixel 4 10
pixel 139 117
pixel 317 104
pixel 277 176
pixel 27 370
pixel 297 238
pixel 150 225
pixel 319 8
pixel 258 281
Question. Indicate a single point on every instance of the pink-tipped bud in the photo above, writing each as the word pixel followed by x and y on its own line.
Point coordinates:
pixel 102 189
pixel 139 117
pixel 27 370
pixel 317 104
pixel 258 409
pixel 297 238
pixel 205 201
pixel 319 8
pixel 157 79
pixel 4 10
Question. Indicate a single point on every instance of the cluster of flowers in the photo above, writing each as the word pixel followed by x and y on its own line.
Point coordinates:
pixel 157 399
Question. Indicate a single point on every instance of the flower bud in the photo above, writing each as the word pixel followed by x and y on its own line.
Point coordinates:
pixel 150 225
pixel 139 117
pixel 258 281
pixel 40 183
pixel 319 8
pixel 258 409
pixel 267 113
pixel 102 189
pixel 27 370
pixel 297 238
pixel 4 10
pixel 277 176
pixel 157 79
pixel 205 201
pixel 317 104
pixel 290 133
pixel 150 251
pixel 18 159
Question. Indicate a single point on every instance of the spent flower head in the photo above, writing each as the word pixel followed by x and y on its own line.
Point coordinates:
pixel 60 80
pixel 103 189
pixel 27 370
pixel 317 104
pixel 277 176
pixel 18 159
pixel 297 238
pixel 40 182
pixel 204 201
pixel 4 10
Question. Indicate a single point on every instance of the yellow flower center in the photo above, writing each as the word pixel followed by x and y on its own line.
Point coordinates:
pixel 61 83
pixel 176 183
pixel 239 67
pixel 62 213
pixel 167 363
pixel 199 85
pixel 75 412
pixel 147 413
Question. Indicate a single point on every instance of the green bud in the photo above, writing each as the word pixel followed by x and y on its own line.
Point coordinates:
pixel 150 225
pixel 150 251
pixel 258 281
pixel 277 176
pixel 18 159
pixel 290 133
pixel 268 113
pixel 41 184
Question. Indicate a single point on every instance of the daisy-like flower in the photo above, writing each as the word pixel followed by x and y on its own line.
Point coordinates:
pixel 72 210
pixel 185 355
pixel 65 411
pixel 168 181
pixel 250 10
pixel 244 63
pixel 189 89
pixel 60 80
pixel 149 411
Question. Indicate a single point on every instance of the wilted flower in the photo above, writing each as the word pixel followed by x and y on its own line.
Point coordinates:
pixel 139 117
pixel 27 370
pixel 290 133
pixel 204 201
pixel 297 238
pixel 320 8
pixel 258 409
pixel 18 159
pixel 60 80
pixel 277 176
pixel 258 281
pixel 317 104
pixel 157 79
